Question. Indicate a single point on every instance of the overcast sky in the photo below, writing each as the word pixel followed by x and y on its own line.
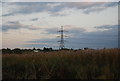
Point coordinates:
pixel 35 24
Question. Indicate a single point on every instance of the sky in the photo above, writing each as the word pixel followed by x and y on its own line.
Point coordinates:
pixel 35 24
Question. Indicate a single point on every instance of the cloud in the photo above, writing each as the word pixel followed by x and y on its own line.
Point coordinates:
pixel 57 9
pixel 68 29
pixel 107 27
pixel 80 38
pixel 97 39
pixel 40 43
pixel 34 7
pixel 11 25
pixel 15 26
pixel 89 7
pixel 9 14
pixel 34 19
pixel 60 1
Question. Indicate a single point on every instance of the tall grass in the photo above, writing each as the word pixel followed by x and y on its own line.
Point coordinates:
pixel 84 64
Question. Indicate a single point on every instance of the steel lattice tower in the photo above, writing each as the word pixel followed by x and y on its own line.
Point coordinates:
pixel 62 38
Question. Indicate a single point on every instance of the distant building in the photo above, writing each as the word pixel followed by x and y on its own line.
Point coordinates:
pixel 35 51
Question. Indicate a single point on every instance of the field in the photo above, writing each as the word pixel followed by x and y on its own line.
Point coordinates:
pixel 81 64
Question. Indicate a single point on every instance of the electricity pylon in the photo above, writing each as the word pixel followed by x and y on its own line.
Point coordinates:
pixel 62 41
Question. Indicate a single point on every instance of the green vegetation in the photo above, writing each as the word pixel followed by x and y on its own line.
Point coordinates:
pixel 66 64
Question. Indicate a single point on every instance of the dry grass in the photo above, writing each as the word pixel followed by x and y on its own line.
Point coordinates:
pixel 87 64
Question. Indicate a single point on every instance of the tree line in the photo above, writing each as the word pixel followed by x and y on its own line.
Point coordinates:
pixel 20 51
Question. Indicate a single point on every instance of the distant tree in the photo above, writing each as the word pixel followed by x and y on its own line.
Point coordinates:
pixel 34 49
pixel 71 49
pixel 86 48
pixel 6 51
pixel 17 51
pixel 65 49
pixel 79 49
pixel 39 49
pixel 50 49
pixel 47 49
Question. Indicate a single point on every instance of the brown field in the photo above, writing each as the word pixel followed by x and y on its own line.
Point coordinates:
pixel 82 64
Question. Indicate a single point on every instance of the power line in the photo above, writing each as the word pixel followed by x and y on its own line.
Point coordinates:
pixel 62 41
